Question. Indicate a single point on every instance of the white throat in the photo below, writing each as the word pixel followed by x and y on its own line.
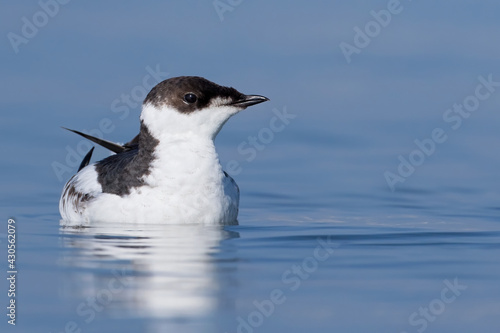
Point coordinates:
pixel 167 123
pixel 181 157
pixel 187 175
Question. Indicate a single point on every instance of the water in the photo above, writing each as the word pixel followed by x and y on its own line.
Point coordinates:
pixel 323 243
pixel 305 256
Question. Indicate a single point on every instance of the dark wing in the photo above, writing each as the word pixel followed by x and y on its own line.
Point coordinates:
pixel 114 147
pixel 86 159
pixel 118 173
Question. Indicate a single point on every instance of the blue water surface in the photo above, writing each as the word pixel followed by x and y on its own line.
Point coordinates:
pixel 364 206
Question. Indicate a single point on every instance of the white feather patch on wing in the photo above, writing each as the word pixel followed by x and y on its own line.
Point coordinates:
pixel 78 192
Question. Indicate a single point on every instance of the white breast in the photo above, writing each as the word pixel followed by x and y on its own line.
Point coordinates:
pixel 186 185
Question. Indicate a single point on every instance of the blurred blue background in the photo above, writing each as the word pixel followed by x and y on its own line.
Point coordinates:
pixel 353 116
pixel 391 93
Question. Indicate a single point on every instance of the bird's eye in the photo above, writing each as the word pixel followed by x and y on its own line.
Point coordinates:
pixel 190 98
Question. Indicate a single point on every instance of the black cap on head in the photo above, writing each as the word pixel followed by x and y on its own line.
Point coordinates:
pixel 189 93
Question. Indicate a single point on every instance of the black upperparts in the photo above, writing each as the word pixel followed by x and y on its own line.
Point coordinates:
pixel 114 147
pixel 121 172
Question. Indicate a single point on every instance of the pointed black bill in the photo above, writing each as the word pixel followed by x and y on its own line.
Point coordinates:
pixel 114 147
pixel 249 100
pixel 86 159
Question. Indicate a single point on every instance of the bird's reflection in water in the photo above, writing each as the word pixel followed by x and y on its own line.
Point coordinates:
pixel 168 272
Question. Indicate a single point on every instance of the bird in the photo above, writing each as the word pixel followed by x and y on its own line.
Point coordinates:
pixel 170 172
